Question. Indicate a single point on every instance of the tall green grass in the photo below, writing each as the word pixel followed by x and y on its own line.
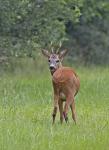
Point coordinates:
pixel 26 106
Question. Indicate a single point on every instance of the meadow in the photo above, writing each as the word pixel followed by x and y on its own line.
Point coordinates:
pixel 26 106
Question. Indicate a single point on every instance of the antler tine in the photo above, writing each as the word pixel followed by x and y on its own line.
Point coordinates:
pixel 51 46
pixel 52 50
pixel 60 44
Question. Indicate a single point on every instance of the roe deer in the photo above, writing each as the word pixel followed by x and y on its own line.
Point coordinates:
pixel 65 84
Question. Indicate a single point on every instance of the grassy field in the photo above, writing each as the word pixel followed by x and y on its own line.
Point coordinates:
pixel 26 108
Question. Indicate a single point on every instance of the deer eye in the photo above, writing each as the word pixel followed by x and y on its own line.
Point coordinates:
pixel 49 60
pixel 57 61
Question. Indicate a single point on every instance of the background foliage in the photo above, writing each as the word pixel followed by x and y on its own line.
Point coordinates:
pixel 26 26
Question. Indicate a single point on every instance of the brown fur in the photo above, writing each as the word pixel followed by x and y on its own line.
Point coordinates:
pixel 66 84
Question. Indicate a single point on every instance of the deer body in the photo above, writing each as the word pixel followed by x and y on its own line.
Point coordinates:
pixel 65 79
pixel 65 84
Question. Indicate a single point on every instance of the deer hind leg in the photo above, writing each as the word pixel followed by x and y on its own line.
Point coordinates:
pixel 72 106
pixel 60 103
pixel 66 107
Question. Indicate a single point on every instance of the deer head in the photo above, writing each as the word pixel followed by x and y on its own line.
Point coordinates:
pixel 54 58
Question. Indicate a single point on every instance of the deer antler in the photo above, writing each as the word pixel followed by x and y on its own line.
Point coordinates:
pixel 51 47
pixel 60 44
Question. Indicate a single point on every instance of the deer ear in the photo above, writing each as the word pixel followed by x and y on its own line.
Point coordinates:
pixel 63 53
pixel 45 53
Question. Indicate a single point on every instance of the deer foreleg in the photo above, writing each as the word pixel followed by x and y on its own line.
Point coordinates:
pixel 56 98
pixel 54 114
pixel 60 103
